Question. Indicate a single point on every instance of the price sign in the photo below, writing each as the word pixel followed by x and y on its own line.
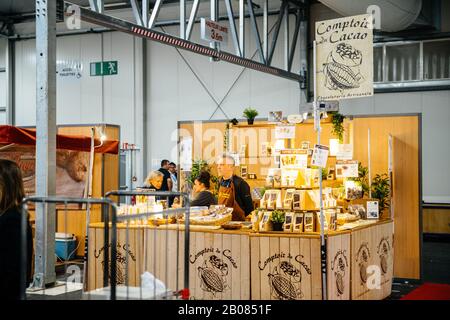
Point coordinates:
pixel 320 156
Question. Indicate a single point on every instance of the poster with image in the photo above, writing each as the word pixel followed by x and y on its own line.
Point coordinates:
pixel 344 49
pixel 71 169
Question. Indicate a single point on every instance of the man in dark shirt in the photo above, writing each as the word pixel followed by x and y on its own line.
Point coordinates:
pixel 234 192
pixel 167 182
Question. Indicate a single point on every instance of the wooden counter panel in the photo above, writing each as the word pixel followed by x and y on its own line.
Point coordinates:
pixel 372 256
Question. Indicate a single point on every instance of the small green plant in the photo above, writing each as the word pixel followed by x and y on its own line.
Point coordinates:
pixel 250 113
pixel 363 179
pixel 324 173
pixel 226 136
pixel 198 166
pixel 381 190
pixel 278 216
pixel 337 120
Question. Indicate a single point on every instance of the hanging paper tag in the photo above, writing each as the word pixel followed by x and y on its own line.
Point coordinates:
pixel 320 156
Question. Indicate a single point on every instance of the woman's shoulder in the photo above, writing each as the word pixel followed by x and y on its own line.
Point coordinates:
pixel 10 215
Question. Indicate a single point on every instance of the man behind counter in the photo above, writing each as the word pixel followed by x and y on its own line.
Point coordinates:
pixel 234 192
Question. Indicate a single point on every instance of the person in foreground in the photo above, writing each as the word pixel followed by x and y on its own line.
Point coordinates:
pixel 11 248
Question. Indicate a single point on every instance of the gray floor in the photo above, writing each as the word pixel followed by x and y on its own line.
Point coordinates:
pixel 436 262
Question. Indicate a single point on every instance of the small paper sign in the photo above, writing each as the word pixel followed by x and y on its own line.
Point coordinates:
pixel 285 132
pixel 344 152
pixel 347 169
pixel 372 210
pixel 320 156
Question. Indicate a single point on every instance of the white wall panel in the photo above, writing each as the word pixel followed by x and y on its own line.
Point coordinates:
pixel 3 89
pixel 68 88
pixel 91 87
pixel 436 146
pixel 25 83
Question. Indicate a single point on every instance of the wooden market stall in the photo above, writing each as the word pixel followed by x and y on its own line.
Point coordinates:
pixel 209 139
pixel 248 265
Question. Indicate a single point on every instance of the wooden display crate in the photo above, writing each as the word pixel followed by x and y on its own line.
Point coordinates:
pixel 285 268
pixel 338 267
pixel 372 254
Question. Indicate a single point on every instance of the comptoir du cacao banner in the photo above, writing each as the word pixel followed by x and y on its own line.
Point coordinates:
pixel 344 58
pixel 71 169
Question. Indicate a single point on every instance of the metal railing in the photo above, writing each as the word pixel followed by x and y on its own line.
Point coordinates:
pixel 157 240
pixel 39 278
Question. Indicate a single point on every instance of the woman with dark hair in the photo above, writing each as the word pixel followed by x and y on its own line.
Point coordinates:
pixel 202 195
pixel 11 195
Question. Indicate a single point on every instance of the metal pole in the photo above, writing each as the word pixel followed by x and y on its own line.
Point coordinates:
pixel 322 219
pixel 10 107
pixel 145 11
pixel 242 27
pixel 266 30
pixel 369 163
pixel 214 17
pixel 286 37
pixel 183 19
pixel 45 138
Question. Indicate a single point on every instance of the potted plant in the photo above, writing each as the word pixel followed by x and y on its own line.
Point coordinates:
pixel 337 120
pixel 277 219
pixel 250 114
pixel 198 166
pixel 381 190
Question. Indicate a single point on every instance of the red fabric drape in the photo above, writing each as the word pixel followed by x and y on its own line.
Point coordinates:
pixel 10 134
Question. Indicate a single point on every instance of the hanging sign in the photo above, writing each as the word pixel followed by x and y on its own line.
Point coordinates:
pixel 211 31
pixel 344 58
pixel 320 156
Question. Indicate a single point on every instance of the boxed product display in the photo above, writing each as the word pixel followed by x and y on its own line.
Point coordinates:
pixel 304 200
pixel 266 223
pixel 353 190
pixel 288 222
pixel 271 200
pixel 289 177
pixel 308 222
pixel 288 198
pixel 298 223
pixel 307 178
pixel 273 178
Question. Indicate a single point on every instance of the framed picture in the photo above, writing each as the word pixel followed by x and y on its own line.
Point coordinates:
pixel 305 145
pixel 373 211
pixel 244 172
pixel 275 116
pixel 251 176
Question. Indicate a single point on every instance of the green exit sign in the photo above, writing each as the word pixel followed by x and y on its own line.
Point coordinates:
pixel 104 68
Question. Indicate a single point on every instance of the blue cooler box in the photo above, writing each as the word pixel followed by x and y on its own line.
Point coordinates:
pixel 65 248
